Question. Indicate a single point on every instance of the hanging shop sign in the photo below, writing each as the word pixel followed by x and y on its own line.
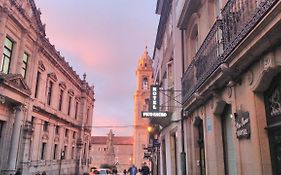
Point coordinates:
pixel 154 98
pixel 154 105
pixel 154 114
pixel 242 124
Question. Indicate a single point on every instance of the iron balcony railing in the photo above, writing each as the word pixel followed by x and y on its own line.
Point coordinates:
pixel 206 60
pixel 239 17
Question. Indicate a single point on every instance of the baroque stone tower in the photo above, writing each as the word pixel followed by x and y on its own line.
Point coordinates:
pixel 110 155
pixel 144 74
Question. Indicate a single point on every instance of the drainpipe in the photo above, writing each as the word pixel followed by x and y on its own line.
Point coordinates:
pixel 183 154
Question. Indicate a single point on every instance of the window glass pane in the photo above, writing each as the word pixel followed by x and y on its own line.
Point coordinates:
pixel 2 62
pixel 24 65
pixel 6 66
pixel 25 57
pixel 7 52
pixel 8 43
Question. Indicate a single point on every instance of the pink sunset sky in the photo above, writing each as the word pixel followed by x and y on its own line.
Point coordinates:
pixel 104 39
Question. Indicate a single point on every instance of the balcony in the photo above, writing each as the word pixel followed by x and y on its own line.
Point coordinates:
pixel 206 60
pixel 239 17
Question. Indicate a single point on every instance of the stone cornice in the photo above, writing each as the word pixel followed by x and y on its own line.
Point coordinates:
pixel 167 4
pixel 46 48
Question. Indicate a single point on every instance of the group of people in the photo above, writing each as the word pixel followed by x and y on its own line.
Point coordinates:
pixel 19 172
pixel 133 170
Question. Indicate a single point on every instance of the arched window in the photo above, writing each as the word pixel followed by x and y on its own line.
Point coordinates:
pixel 145 83
pixel 194 41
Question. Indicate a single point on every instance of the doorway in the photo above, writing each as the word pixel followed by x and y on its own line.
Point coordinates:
pixel 229 148
pixel 272 99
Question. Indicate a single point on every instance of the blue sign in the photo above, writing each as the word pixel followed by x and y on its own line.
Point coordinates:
pixel 209 124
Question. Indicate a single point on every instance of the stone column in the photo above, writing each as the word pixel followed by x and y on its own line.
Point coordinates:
pixel 19 114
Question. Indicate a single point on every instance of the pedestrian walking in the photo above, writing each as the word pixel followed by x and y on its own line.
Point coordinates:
pixel 145 169
pixel 43 173
pixel 124 171
pixel 37 173
pixel 18 172
pixel 133 170
pixel 114 171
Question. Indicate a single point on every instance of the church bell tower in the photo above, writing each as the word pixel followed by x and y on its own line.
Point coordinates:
pixel 144 76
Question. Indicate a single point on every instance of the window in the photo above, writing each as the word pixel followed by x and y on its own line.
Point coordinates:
pixel 57 128
pixel 32 121
pixel 37 84
pixel 60 100
pixel 76 109
pixel 88 114
pixel 69 105
pixel 72 152
pixel 24 64
pixel 66 133
pixel 43 151
pixel 30 150
pixel 65 152
pixel 85 147
pixel 45 126
pixel 74 135
pixel 7 56
pixel 55 151
pixel 1 128
pixel 145 83
pixel 50 89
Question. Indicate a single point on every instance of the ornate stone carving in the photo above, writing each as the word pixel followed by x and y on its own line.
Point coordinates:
pixel 45 137
pixel 62 85
pixel 275 103
pixel 268 61
pixel 53 77
pixel 70 92
pixel 250 77
pixel 15 82
pixel 57 139
pixel 41 66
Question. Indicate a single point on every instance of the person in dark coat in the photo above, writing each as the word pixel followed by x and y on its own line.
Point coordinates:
pixel 145 169
pixel 43 173
pixel 18 172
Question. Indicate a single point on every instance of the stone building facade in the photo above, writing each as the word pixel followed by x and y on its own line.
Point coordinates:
pixel 141 101
pixel 229 53
pixel 45 107
pixel 112 150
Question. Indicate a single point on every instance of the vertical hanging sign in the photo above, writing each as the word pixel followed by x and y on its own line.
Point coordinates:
pixel 154 104
pixel 154 98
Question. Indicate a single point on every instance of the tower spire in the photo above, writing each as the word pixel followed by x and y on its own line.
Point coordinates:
pixel 145 50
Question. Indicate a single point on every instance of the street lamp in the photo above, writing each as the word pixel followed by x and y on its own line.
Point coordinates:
pixel 149 129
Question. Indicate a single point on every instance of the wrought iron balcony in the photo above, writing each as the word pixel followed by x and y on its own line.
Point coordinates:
pixel 206 60
pixel 239 17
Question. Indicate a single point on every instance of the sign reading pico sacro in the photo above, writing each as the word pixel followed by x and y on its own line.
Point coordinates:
pixel 154 114
pixel 154 98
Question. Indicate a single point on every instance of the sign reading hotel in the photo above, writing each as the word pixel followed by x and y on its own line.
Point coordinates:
pixel 154 104
pixel 242 124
